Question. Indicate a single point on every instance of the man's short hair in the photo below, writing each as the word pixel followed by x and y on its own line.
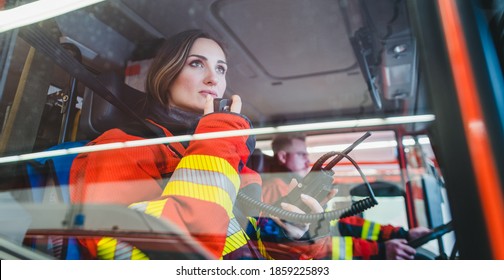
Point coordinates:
pixel 283 141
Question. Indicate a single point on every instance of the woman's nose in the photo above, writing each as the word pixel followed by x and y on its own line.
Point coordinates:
pixel 211 78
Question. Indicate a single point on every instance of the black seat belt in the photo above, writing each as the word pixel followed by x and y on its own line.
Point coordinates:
pixel 37 37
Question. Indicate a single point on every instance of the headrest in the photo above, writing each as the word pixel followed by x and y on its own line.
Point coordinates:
pixel 260 162
pixel 99 115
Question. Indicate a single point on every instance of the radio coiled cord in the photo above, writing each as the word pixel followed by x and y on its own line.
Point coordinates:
pixel 356 207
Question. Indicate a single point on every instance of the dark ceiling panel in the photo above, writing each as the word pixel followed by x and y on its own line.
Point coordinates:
pixel 294 38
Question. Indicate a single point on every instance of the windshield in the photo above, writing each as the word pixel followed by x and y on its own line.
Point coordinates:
pixel 113 144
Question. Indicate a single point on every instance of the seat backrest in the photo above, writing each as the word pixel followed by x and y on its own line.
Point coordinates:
pixel 260 162
pixel 99 115
pixel 49 179
pixel 52 171
pixel 380 189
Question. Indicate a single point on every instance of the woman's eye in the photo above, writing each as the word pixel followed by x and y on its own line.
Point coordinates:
pixel 196 63
pixel 221 69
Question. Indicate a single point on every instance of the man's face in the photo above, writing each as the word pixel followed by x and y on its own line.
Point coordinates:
pixel 295 157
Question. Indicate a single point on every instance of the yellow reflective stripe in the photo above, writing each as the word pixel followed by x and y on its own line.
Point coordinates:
pixel 253 221
pixel 348 248
pixel 201 192
pixel 155 208
pixel 109 248
pixel 261 247
pixel 376 231
pixel 236 237
pixel 138 255
pixel 333 228
pixel 260 244
pixel 365 230
pixel 342 248
pixel 204 177
pixel 333 223
pixel 234 242
pixel 106 248
pixel 210 163
pixel 370 230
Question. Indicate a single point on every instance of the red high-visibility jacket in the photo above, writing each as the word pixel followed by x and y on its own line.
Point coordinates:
pixel 199 195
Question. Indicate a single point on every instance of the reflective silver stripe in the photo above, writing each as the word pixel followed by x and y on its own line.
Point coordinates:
pixel 141 206
pixel 204 177
pixel 233 227
pixel 235 237
pixel 342 248
pixel 370 230
pixel 122 251
pixel 210 163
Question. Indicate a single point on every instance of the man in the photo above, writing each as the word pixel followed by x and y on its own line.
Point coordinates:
pixel 367 240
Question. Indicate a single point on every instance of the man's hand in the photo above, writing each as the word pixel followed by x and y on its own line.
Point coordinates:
pixel 292 230
pixel 296 231
pixel 418 232
pixel 397 249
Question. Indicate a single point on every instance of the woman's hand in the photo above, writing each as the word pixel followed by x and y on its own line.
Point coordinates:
pixel 235 107
pixel 236 104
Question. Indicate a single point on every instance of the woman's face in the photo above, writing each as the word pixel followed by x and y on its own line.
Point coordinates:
pixel 204 73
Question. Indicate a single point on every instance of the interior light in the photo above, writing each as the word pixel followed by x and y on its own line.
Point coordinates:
pixel 423 140
pixel 399 48
pixel 399 68
pixel 408 142
pixel 38 11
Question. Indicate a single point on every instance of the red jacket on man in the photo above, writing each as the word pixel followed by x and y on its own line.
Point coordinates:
pixel 350 238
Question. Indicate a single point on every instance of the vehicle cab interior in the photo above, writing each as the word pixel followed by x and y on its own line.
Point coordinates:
pixel 424 78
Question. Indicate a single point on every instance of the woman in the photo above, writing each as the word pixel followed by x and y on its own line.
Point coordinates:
pixel 204 176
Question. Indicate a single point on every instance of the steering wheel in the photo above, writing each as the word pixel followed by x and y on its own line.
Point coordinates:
pixel 436 233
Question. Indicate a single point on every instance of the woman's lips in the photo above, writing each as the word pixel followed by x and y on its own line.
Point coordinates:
pixel 209 92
